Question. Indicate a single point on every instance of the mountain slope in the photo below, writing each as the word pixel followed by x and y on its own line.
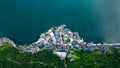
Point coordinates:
pixel 12 57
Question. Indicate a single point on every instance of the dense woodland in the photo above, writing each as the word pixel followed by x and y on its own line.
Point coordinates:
pixel 14 58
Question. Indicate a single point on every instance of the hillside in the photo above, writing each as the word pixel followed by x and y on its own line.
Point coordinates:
pixel 12 57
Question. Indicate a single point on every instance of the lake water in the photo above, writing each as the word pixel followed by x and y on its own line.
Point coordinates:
pixel 24 20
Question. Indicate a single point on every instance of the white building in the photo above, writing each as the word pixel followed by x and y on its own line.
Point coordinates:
pixel 62 55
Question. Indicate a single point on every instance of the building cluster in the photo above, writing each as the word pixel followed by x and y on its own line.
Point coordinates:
pixel 60 38
pixel 105 47
pixel 32 49
pixel 10 42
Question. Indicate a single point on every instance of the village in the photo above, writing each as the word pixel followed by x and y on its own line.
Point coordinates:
pixel 61 39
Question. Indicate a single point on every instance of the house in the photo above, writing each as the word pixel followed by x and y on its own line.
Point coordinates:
pixel 75 43
pixel 85 48
pixel 62 55
pixel 52 36
pixel 50 40
pixel 1 42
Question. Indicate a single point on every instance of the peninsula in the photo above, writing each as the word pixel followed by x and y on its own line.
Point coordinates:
pixel 62 42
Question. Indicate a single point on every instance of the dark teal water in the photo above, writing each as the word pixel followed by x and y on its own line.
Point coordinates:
pixel 24 20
